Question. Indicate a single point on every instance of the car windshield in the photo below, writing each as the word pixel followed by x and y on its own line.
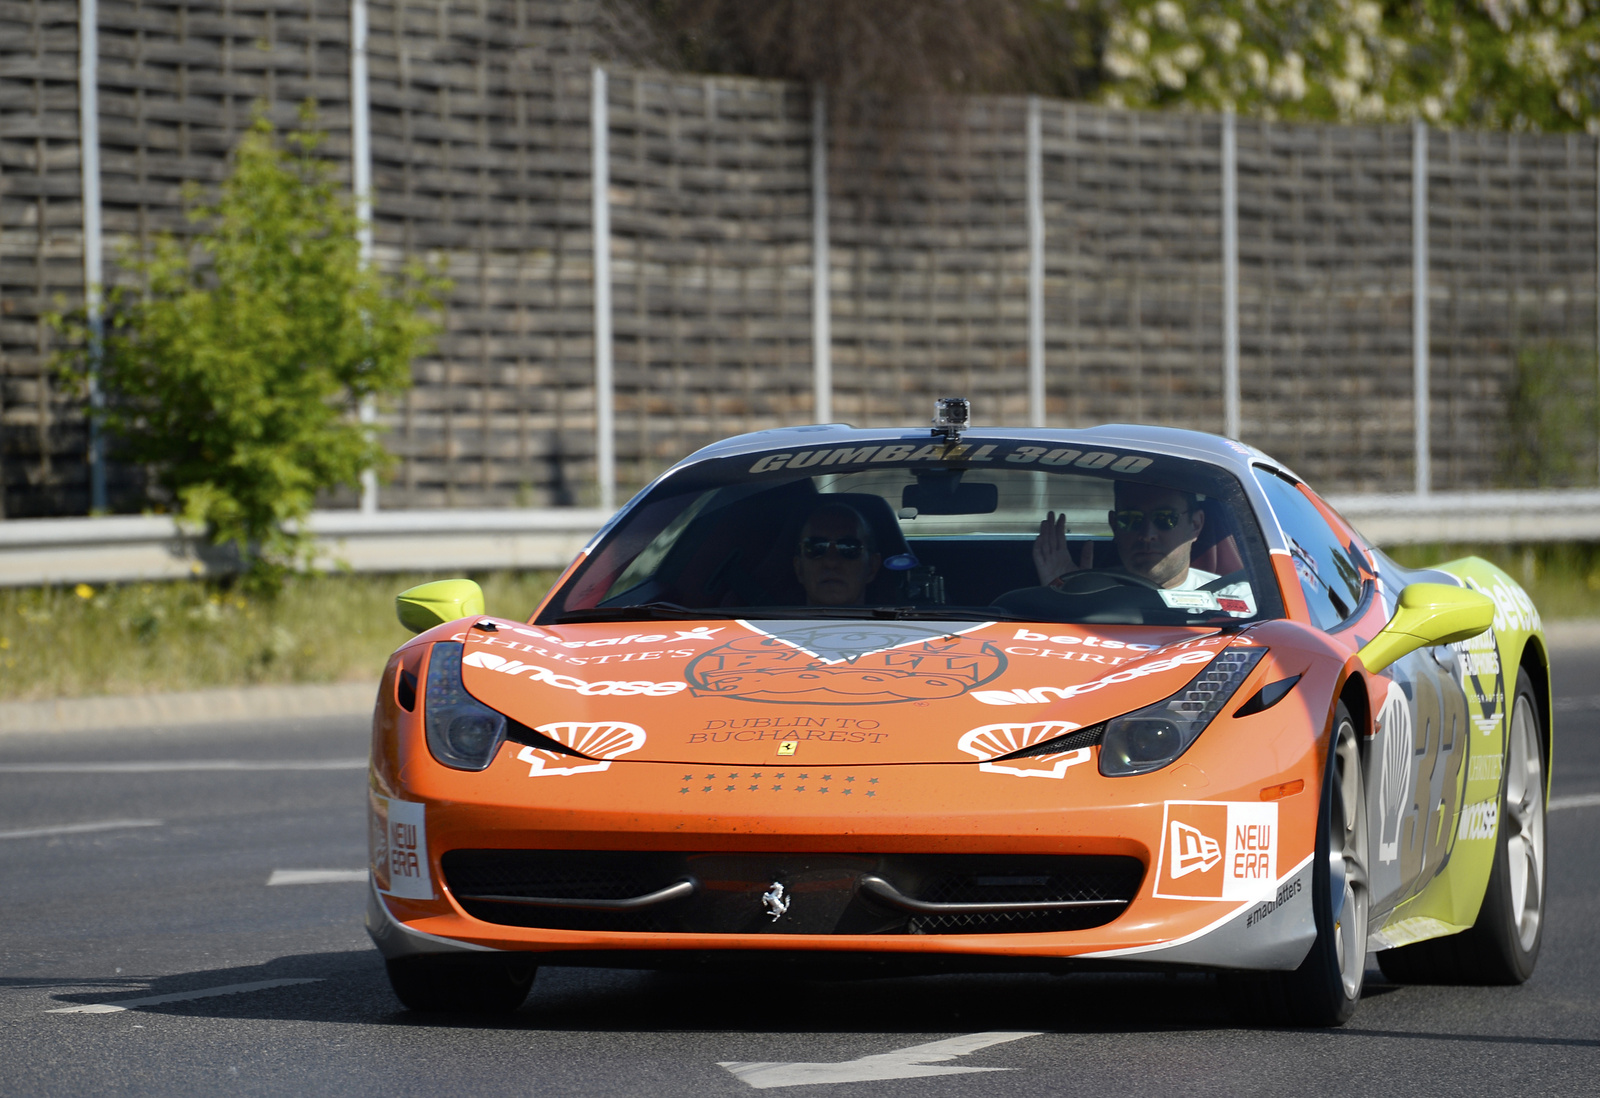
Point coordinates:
pixel 995 529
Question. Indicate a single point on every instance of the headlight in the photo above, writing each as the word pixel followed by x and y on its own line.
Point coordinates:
pixel 1148 739
pixel 463 733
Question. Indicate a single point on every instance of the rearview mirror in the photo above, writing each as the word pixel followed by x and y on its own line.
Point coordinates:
pixel 421 608
pixel 1428 614
pixel 947 496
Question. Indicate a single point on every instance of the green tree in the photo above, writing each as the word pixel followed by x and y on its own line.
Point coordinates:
pixel 237 368
pixel 1496 64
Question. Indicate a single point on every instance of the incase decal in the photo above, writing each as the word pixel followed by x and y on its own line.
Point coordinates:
pixel 397 839
pixel 994 740
pixel 1478 820
pixel 603 739
pixel 492 662
pixel 1218 850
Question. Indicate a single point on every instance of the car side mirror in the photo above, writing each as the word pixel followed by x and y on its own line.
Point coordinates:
pixel 1428 614
pixel 421 608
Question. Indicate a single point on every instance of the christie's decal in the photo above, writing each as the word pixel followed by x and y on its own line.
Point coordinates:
pixel 397 841
pixel 602 740
pixel 1218 850
pixel 995 740
pixel 846 664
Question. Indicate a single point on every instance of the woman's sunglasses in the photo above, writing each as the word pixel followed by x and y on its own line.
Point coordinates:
pixel 847 548
pixel 1164 518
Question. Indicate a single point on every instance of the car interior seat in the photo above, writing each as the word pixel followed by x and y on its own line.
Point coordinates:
pixel 774 569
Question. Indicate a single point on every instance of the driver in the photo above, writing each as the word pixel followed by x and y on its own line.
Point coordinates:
pixel 836 557
pixel 1153 528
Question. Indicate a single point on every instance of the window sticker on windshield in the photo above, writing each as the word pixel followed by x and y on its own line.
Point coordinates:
pixel 902 453
pixel 1190 600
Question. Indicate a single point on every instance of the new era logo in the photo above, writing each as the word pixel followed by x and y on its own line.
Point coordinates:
pixel 1193 850
pixel 1218 850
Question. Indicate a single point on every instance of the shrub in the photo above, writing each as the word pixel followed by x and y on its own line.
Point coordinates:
pixel 237 368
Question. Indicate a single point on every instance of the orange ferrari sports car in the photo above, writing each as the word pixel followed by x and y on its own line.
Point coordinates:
pixel 870 701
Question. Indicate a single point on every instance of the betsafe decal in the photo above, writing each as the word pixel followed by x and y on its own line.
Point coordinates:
pixel 846 663
pixel 1038 695
pixel 1218 850
pixel 993 741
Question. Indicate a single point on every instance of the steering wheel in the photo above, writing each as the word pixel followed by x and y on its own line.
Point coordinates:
pixel 1090 582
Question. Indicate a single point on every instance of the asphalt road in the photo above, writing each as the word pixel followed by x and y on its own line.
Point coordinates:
pixel 172 897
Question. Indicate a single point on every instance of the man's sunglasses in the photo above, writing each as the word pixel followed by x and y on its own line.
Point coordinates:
pixel 847 548
pixel 1164 518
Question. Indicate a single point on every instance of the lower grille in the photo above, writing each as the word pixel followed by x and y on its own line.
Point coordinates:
pixel 820 893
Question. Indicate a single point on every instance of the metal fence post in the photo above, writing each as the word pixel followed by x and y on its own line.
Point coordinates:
pixel 1419 303
pixel 93 276
pixel 1230 277
pixel 1035 268
pixel 821 299
pixel 361 188
pixel 605 437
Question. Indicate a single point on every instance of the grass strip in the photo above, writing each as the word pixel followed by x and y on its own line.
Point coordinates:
pixel 150 638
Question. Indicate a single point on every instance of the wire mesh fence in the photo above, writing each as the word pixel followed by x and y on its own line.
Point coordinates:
pixel 481 132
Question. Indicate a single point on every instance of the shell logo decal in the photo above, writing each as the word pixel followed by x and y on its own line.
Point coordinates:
pixel 607 739
pixel 994 740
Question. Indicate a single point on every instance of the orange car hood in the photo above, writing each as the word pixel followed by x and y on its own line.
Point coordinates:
pixel 814 693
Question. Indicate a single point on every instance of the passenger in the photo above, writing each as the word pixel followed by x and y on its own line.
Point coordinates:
pixel 1154 529
pixel 836 557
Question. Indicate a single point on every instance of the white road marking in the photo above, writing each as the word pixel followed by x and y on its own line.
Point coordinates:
pixel 179 765
pixel 916 1062
pixel 314 876
pixel 180 996
pixel 76 829
pixel 1581 800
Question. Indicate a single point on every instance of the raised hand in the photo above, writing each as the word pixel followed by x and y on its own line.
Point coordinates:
pixel 1052 558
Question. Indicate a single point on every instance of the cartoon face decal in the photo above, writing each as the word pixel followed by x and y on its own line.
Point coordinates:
pixel 846 663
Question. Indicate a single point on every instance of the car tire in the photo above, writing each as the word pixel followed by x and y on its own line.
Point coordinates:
pixel 452 983
pixel 1326 989
pixel 1502 947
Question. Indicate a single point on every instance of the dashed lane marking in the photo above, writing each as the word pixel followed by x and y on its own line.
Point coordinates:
pixel 1581 800
pixel 75 829
pixel 916 1062
pixel 315 876
pixel 179 765
pixel 180 996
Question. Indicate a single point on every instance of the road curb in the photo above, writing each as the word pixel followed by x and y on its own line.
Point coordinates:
pixel 239 705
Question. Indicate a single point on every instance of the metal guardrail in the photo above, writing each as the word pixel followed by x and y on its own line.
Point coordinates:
pixel 151 547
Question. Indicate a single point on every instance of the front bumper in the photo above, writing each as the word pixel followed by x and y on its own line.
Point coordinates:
pixel 842 812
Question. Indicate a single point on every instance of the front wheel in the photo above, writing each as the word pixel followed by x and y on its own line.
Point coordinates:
pixel 461 983
pixel 1326 988
pixel 1503 945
